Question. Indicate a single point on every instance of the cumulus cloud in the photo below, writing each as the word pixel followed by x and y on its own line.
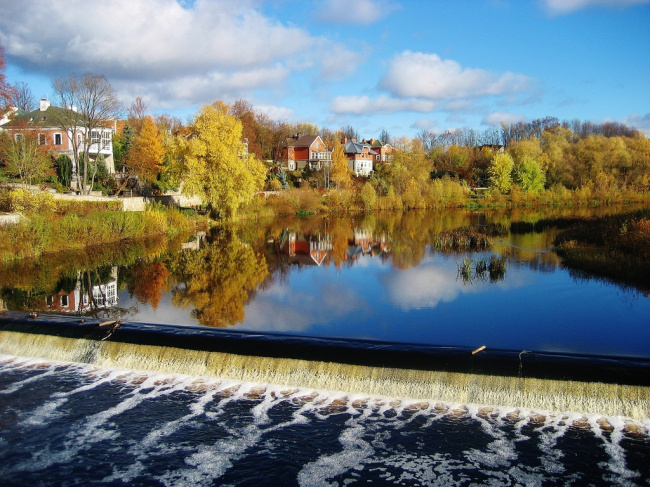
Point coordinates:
pixel 354 11
pixel 560 7
pixel 276 113
pixel 496 118
pixel 359 105
pixel 172 52
pixel 422 75
pixel 339 62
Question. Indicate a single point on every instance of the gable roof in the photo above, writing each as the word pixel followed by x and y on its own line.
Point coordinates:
pixel 301 141
pixel 43 118
pixel 354 147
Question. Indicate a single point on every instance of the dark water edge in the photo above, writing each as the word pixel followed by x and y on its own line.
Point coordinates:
pixel 71 424
pixel 523 364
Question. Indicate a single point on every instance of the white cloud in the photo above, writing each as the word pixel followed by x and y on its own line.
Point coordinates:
pixel 276 113
pixel 354 11
pixel 496 118
pixel 359 105
pixel 338 62
pixel 214 48
pixel 560 7
pixel 421 75
pixel 426 286
pixel 431 126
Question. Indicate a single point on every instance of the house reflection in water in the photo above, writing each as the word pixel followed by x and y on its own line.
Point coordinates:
pixel 305 249
pixel 364 243
pixel 314 249
pixel 82 297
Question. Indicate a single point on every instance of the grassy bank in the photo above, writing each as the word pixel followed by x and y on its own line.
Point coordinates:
pixel 616 247
pixel 53 226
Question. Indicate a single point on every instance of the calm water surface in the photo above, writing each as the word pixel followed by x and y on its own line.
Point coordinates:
pixel 378 278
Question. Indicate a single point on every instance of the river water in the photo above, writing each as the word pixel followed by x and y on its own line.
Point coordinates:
pixel 325 351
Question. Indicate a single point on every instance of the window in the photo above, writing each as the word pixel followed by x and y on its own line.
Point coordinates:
pixel 79 139
pixel 94 137
pixel 64 301
pixel 58 139
pixel 42 139
pixel 106 140
pixel 19 137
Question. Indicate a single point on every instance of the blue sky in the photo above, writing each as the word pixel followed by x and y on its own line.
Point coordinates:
pixel 403 66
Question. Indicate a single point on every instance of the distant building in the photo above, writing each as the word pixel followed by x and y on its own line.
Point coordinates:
pixel 299 152
pixel 360 156
pixel 42 124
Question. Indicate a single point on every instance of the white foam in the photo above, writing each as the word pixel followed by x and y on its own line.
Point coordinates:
pixel 371 418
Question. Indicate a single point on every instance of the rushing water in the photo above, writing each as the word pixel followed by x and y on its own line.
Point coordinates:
pixel 339 353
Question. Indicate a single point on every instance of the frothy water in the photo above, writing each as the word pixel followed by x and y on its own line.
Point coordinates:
pixel 67 423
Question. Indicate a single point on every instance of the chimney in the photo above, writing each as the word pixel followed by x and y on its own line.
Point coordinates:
pixel 44 104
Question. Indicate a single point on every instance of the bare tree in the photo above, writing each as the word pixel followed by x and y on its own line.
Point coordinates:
pixel 23 98
pixel 87 104
pixel 384 136
pixel 137 114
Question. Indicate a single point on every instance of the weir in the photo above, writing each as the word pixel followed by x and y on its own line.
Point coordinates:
pixel 197 352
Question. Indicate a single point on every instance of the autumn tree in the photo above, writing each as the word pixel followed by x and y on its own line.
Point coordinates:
pixel 23 98
pixel 145 157
pixel 500 172
pixel 217 166
pixel 27 159
pixel 243 111
pixel 87 103
pixel 530 176
pixel 339 172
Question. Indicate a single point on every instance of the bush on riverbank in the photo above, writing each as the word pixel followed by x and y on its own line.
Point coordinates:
pixel 27 202
pixel 616 246
pixel 440 194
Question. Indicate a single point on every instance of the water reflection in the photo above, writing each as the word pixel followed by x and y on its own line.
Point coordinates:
pixel 87 291
pixel 375 277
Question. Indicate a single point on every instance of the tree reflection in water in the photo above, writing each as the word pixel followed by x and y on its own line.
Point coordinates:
pixel 218 278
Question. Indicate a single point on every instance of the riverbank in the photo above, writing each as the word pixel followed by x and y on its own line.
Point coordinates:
pixel 47 225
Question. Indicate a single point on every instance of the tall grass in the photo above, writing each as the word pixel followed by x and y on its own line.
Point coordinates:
pixel 50 228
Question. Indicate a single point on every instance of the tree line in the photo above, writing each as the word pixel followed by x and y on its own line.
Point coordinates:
pixel 224 154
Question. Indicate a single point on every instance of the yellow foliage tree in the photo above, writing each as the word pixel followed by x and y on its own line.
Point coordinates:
pixel 340 173
pixel 144 158
pixel 146 154
pixel 218 279
pixel 217 166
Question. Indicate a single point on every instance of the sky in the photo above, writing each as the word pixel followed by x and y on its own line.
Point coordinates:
pixel 403 66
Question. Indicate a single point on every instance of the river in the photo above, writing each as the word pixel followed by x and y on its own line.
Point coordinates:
pixel 326 351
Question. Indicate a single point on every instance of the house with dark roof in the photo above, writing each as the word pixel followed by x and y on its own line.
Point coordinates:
pixel 42 124
pixel 360 156
pixel 383 151
pixel 299 152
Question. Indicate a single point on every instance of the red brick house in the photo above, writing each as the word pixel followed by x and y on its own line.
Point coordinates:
pixel 298 152
pixel 41 123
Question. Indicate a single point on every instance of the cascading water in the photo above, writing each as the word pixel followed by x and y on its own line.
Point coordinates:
pixel 110 412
